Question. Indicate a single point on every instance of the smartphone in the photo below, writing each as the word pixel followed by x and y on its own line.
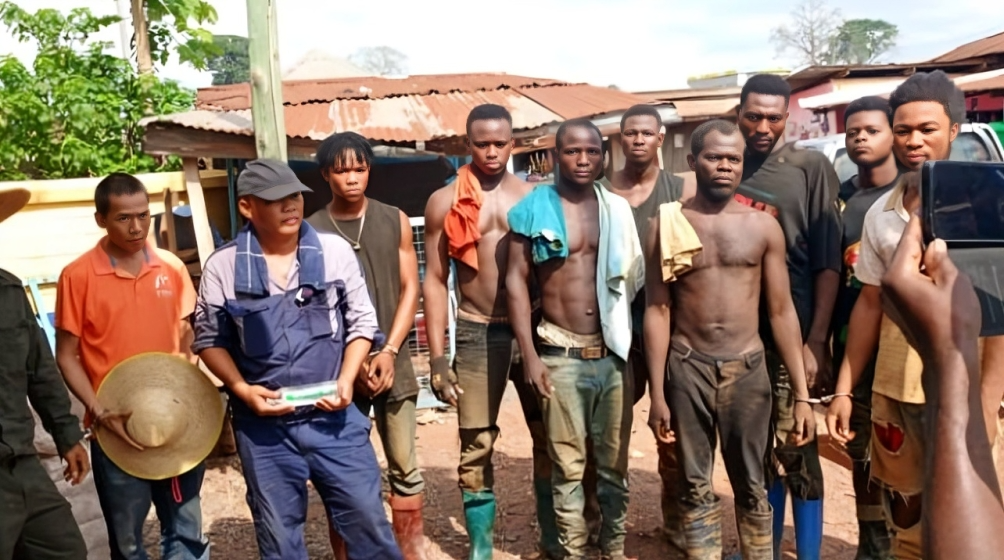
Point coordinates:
pixel 962 203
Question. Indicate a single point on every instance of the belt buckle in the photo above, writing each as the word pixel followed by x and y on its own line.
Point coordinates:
pixel 592 353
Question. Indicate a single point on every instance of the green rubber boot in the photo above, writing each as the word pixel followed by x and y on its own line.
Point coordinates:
pixel 479 509
pixel 546 520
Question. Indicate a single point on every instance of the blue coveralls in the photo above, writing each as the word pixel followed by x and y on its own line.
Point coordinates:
pixel 286 341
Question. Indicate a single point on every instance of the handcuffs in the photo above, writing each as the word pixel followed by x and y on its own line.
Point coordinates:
pixel 824 400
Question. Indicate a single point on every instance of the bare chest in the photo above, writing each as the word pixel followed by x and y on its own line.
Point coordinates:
pixel 495 206
pixel 726 243
pixel 582 226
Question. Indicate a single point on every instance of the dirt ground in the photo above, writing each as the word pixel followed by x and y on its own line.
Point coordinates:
pixel 227 519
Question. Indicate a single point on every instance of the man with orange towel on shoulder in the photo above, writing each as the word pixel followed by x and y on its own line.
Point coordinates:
pixel 465 226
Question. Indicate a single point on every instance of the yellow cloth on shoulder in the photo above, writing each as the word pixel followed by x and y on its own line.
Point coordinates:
pixel 678 242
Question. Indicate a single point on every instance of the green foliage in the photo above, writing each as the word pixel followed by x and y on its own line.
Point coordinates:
pixel 75 112
pixel 233 64
pixel 818 35
pixel 862 41
pixel 170 31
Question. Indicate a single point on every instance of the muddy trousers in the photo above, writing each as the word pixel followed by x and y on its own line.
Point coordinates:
pixel 35 520
pixel 794 470
pixel 486 360
pixel 874 539
pixel 591 399
pixel 713 396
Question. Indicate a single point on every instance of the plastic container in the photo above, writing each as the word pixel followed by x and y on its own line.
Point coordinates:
pixel 307 395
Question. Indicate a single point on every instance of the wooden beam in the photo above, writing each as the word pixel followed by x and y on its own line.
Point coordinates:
pixel 266 80
pixel 172 236
pixel 171 139
pixel 200 216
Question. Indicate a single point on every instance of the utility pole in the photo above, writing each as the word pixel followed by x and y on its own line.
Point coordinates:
pixel 266 80
pixel 125 28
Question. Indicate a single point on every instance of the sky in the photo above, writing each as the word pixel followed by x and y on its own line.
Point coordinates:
pixel 636 45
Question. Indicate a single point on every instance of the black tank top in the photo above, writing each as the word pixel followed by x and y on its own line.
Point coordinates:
pixel 381 264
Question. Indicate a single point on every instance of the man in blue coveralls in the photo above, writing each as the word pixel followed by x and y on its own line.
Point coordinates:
pixel 282 307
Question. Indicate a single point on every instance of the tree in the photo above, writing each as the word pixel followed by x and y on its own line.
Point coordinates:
pixel 75 112
pixel 818 36
pixel 809 34
pixel 862 41
pixel 164 26
pixel 232 65
pixel 383 61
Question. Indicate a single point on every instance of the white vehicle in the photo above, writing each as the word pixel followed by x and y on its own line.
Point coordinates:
pixel 976 142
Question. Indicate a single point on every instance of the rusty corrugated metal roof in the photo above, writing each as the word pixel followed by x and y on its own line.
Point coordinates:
pixel 238 96
pixel 986 46
pixel 412 118
pixel 985 81
pixel 582 100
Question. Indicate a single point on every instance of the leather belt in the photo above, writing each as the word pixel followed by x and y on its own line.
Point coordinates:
pixel 589 353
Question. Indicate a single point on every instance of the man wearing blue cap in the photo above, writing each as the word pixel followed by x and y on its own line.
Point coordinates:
pixel 282 307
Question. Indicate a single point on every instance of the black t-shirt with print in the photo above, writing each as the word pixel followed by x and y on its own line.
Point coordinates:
pixel 856 203
pixel 798 187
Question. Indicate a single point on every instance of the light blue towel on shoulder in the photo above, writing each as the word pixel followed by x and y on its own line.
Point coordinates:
pixel 539 218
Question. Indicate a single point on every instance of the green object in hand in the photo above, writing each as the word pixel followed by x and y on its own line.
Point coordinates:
pixel 308 395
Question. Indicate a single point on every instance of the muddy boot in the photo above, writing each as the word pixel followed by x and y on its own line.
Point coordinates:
pixel 548 546
pixel 874 541
pixel 479 509
pixel 703 530
pixel 756 538
pixel 337 544
pixel 777 495
pixel 408 526
pixel 672 520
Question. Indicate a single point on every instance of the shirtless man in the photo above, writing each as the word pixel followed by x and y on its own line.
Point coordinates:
pixel 646 186
pixel 717 374
pixel 578 367
pixel 465 223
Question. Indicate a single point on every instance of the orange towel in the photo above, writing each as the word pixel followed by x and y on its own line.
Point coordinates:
pixel 461 223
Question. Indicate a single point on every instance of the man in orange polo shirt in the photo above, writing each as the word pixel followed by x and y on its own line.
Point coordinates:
pixel 122 298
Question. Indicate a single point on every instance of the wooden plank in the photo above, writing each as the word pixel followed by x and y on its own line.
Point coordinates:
pixel 170 139
pixel 200 216
pixel 266 80
pixel 172 238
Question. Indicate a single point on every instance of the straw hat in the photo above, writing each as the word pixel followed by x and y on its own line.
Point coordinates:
pixel 12 199
pixel 177 415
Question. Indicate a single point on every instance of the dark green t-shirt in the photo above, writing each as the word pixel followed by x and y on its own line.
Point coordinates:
pixel 798 187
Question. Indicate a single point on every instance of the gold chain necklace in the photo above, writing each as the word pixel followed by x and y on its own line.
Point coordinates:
pixel 362 224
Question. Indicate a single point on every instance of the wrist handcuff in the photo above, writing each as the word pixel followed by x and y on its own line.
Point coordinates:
pixel 824 400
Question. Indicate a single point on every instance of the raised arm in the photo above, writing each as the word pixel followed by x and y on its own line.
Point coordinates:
pixel 517 279
pixel 784 324
pixel 658 301
pixel 939 313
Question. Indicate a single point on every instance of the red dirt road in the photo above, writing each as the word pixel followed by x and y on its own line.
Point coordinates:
pixel 228 521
